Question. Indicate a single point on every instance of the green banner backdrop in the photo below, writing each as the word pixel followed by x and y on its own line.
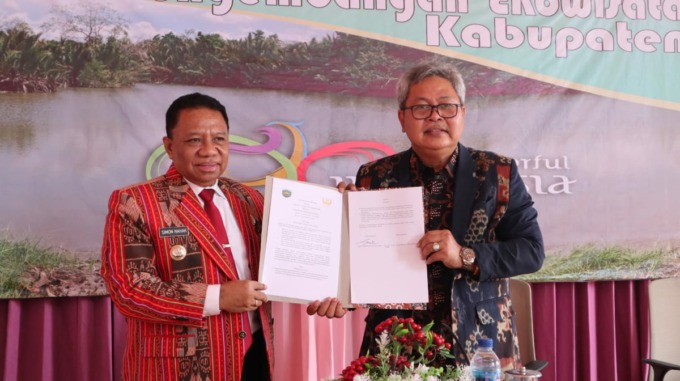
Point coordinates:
pixel 593 46
pixel 581 93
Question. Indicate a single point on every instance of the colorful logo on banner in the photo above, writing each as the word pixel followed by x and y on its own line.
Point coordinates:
pixel 624 49
pixel 293 166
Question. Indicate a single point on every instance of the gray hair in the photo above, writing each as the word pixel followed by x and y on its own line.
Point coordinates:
pixel 426 70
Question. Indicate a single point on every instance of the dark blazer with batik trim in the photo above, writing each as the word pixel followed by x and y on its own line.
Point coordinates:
pixel 493 213
pixel 168 338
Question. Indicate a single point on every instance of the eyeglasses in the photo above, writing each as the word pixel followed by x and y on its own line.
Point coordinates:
pixel 445 110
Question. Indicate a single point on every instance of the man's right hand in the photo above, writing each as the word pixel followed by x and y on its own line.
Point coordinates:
pixel 329 307
pixel 342 186
pixel 242 295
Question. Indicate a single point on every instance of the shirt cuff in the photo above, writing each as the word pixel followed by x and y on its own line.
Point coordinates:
pixel 212 300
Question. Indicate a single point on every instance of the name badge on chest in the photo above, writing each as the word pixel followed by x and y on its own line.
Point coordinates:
pixel 177 252
pixel 173 231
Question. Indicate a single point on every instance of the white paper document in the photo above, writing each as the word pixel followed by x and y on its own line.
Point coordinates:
pixel 319 243
pixel 301 241
pixel 384 229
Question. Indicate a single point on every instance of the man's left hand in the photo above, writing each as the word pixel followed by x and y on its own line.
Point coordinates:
pixel 439 245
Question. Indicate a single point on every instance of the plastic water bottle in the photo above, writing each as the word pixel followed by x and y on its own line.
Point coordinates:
pixel 485 365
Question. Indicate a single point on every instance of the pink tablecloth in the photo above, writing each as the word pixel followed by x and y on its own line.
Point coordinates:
pixel 587 330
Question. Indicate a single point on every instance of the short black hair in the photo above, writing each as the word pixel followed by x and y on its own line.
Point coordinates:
pixel 190 101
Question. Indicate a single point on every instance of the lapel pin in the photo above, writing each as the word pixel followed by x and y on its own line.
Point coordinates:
pixel 178 252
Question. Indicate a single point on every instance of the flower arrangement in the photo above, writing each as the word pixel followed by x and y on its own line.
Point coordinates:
pixel 407 352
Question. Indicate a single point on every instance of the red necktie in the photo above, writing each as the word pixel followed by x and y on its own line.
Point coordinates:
pixel 216 219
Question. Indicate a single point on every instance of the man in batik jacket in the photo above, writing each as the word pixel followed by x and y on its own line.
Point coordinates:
pixel 481 227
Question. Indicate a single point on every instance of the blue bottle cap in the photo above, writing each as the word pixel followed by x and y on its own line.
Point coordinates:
pixel 485 343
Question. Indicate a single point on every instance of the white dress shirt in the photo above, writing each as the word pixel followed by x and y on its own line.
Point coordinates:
pixel 238 251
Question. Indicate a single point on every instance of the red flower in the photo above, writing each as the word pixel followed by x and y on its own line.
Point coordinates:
pixel 402 343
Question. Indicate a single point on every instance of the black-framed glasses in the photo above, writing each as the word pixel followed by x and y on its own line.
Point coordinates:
pixel 445 110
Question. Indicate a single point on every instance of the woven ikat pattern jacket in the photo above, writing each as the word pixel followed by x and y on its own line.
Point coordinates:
pixel 168 337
